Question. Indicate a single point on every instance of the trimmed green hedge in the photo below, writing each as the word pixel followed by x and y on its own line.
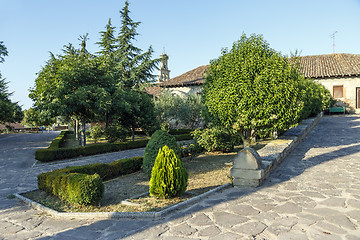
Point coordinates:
pixel 180 131
pixel 59 140
pixel 48 155
pixel 183 137
pixel 84 184
pixel 54 152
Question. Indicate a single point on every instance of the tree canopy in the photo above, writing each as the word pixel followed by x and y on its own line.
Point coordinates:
pixel 10 112
pixel 253 89
pixel 97 87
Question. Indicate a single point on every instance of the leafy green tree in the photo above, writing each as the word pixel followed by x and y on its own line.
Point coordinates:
pixel 316 97
pixel 167 106
pixel 10 112
pixel 31 117
pixel 34 118
pixel 86 87
pixel 191 111
pixel 73 85
pixel 252 88
pixel 3 51
pixel 139 112
pixel 186 109
pixel 96 132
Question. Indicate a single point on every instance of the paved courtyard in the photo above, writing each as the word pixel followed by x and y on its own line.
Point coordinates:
pixel 314 194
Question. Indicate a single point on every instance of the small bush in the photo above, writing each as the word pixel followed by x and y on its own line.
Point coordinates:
pixel 85 189
pixel 168 176
pixel 116 132
pixel 83 184
pixel 159 139
pixel 191 150
pixel 214 139
pixel 75 188
pixel 96 132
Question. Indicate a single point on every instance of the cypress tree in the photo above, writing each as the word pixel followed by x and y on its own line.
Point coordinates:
pixel 168 177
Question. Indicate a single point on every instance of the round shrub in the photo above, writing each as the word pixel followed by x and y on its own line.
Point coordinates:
pixel 214 139
pixel 159 139
pixel 168 176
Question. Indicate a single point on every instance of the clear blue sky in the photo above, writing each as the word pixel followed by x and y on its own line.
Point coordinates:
pixel 192 32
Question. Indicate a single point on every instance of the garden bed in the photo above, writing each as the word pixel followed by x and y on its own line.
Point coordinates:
pixel 206 172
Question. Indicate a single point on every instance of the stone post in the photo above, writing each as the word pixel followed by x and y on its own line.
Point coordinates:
pixel 246 170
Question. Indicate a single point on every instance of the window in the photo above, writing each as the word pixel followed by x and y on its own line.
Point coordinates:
pixel 338 91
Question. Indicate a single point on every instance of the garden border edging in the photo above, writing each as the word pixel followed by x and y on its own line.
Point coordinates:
pixel 116 215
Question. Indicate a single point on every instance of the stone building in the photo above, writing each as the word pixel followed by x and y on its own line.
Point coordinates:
pixel 186 83
pixel 164 72
pixel 339 73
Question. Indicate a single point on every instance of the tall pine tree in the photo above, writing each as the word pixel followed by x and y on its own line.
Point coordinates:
pixel 108 40
pixel 134 65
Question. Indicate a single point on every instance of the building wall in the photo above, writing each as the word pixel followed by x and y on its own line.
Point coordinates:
pixel 185 90
pixel 349 88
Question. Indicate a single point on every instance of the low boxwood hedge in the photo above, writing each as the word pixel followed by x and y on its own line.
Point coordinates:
pixel 183 137
pixel 83 185
pixel 53 154
pixel 179 131
pixel 59 140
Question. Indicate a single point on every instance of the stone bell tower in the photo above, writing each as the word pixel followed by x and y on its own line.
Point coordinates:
pixel 164 72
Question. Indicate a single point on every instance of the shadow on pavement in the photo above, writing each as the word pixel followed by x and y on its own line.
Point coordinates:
pixel 337 131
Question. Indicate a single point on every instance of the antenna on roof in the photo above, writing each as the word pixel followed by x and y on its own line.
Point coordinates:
pixel 333 38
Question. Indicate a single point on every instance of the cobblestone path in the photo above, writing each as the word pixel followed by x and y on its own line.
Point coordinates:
pixel 314 194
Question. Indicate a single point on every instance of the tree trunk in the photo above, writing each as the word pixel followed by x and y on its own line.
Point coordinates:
pixel 76 129
pixel 107 120
pixel 133 133
pixel 83 133
pixel 252 137
pixel 246 137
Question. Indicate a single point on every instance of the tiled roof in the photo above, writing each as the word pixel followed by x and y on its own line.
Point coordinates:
pixel 154 90
pixel 316 66
pixel 190 78
pixel 330 65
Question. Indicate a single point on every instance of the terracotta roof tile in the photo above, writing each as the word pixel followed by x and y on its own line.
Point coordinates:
pixel 330 65
pixel 190 78
pixel 154 90
pixel 316 66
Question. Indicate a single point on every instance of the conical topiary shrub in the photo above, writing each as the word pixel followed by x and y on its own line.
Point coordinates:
pixel 168 176
pixel 159 139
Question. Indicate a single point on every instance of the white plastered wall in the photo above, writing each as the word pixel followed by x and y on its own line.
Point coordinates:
pixel 185 90
pixel 349 93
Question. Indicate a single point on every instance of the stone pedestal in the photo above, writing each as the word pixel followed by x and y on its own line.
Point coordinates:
pixel 246 169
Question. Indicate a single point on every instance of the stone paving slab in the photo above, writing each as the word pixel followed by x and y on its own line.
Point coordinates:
pixel 313 194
